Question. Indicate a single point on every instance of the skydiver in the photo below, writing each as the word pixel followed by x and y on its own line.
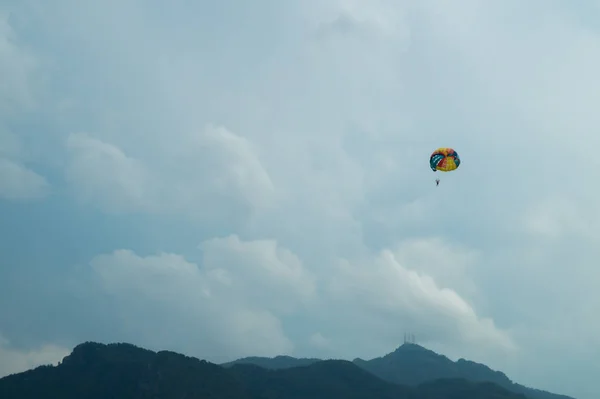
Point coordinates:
pixel 437 182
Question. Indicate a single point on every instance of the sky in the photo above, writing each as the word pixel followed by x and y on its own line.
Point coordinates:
pixel 235 178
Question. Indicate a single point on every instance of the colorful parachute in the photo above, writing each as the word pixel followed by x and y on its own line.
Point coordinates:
pixel 444 160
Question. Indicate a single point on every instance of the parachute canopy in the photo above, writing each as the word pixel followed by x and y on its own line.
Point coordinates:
pixel 444 159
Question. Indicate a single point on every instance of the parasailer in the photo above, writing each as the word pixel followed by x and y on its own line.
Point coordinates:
pixel 444 160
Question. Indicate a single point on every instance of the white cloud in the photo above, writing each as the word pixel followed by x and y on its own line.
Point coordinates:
pixel 451 265
pixel 247 288
pixel 13 360
pixel 194 174
pixel 382 289
pixel 319 341
pixel 19 183
pixel 17 97
pixel 103 173
pixel 264 272
pixel 226 307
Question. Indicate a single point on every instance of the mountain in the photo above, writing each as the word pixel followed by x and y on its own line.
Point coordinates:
pixel 325 379
pixel 273 363
pixel 96 371
pixel 124 371
pixel 343 379
pixel 412 365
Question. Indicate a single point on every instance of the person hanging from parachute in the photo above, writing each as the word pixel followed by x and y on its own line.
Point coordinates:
pixel 444 159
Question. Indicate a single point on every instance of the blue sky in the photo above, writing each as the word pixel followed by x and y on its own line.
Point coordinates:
pixel 251 178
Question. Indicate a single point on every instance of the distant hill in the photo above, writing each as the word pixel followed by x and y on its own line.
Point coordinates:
pixel 342 379
pixel 274 363
pixel 325 379
pixel 412 365
pixel 96 371
pixel 124 371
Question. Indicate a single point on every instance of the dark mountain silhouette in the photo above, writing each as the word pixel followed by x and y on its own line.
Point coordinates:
pixel 343 379
pixel 329 378
pixel 96 371
pixel 124 371
pixel 412 365
pixel 274 363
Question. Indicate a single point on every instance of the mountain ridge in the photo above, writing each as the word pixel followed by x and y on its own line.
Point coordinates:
pixel 125 371
pixel 402 367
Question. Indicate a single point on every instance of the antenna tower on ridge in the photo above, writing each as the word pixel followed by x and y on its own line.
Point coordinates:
pixel 410 338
